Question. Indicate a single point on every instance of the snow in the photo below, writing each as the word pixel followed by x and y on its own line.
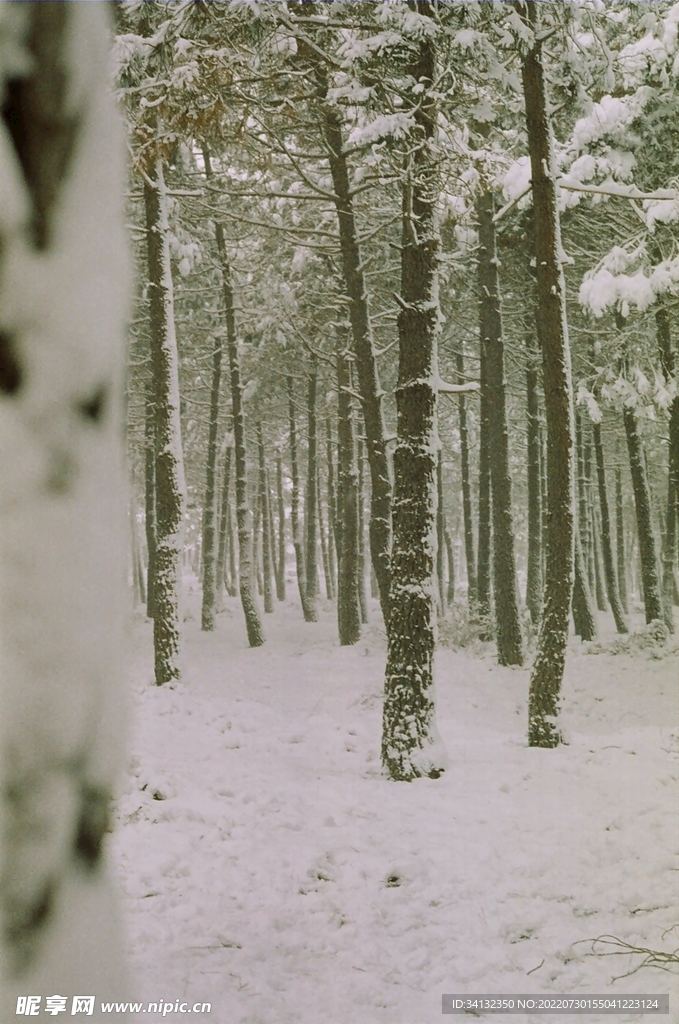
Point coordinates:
pixel 270 869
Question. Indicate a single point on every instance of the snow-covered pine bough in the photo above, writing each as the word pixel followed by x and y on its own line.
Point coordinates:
pixel 63 305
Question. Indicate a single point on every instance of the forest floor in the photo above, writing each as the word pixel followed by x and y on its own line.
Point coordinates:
pixel 269 869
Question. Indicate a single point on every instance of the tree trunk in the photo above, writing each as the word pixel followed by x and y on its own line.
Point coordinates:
pixel 209 536
pixel 294 508
pixel 484 524
pixel 137 567
pixel 451 566
pixel 273 548
pixel 668 366
pixel 346 526
pixel 507 620
pixel 267 566
pixel 466 488
pixel 169 468
pixel 609 567
pixel 223 523
pixel 311 502
pixel 280 575
pixel 550 659
pixel 326 542
pixel 410 746
pixel 440 536
pixel 364 350
pixel 642 501
pixel 63 506
pixel 620 539
pixel 150 492
pixel 332 503
pixel 253 623
pixel 581 602
pixel 534 568
pixel 362 590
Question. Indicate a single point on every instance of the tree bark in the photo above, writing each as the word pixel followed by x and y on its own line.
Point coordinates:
pixel 550 659
pixel 253 623
pixel 534 568
pixel 332 503
pixel 410 745
pixel 63 506
pixel 209 535
pixel 170 487
pixel 581 603
pixel 470 555
pixel 451 565
pixel 507 620
pixel 326 543
pixel 267 564
pixel 346 524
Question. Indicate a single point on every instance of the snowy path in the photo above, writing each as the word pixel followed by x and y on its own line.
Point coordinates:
pixel 281 878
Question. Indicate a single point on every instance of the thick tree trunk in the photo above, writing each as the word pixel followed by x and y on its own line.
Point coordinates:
pixel 470 555
pixel 410 746
pixel 620 539
pixel 346 524
pixel 169 468
pixel 209 534
pixel 550 659
pixel 311 502
pixel 253 623
pixel 267 565
pixel 280 575
pixel 642 501
pixel 294 507
pixel 609 567
pixel 534 568
pixel 63 505
pixel 507 620
pixel 150 492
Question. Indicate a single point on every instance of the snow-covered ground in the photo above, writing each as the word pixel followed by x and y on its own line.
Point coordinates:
pixel 269 868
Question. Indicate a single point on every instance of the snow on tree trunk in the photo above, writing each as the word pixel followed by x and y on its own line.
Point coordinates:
pixel 668 366
pixel 410 744
pixel 150 493
pixel 581 602
pixel 63 537
pixel 484 523
pixel 440 536
pixel 169 464
pixel 550 659
pixel 466 487
pixel 507 620
pixel 451 565
pixel 332 504
pixel 362 588
pixel 221 573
